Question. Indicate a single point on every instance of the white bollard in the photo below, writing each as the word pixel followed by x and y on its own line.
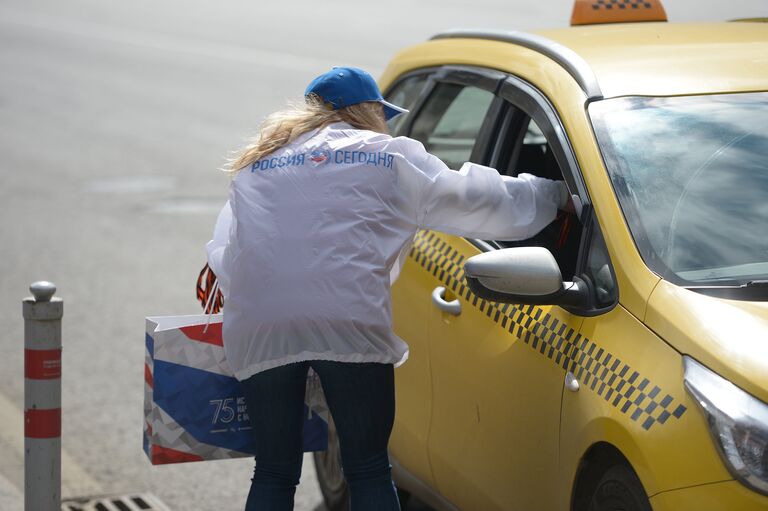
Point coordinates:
pixel 42 398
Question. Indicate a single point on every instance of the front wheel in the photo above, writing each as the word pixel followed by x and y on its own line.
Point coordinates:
pixel 329 475
pixel 619 489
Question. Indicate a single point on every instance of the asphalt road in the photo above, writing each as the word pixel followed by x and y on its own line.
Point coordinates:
pixel 113 120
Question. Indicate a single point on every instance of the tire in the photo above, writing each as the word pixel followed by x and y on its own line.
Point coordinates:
pixel 329 476
pixel 619 489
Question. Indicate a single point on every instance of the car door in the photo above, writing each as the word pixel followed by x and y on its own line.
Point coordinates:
pixel 498 370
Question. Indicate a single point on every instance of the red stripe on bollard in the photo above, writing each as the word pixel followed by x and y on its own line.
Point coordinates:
pixel 42 364
pixel 42 423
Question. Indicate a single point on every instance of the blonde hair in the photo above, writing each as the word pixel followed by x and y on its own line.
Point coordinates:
pixel 284 126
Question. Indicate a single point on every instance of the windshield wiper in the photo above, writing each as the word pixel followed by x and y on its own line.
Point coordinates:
pixel 754 290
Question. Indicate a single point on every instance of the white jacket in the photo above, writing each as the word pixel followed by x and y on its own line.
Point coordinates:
pixel 314 234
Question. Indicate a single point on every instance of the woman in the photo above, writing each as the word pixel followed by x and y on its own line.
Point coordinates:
pixel 323 208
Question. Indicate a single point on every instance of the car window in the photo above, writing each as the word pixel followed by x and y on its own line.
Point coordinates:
pixel 525 149
pixel 449 122
pixel 534 135
pixel 534 155
pixel 404 94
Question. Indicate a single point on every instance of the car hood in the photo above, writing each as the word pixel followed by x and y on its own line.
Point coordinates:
pixel 728 336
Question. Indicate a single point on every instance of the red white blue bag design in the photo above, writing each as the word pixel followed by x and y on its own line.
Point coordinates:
pixel 194 409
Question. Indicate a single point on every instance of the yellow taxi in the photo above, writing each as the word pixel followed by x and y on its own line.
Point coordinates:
pixel 619 359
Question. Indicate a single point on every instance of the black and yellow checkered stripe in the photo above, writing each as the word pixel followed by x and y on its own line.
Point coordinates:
pixel 621 4
pixel 613 380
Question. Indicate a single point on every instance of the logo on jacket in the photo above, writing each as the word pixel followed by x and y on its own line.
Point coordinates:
pixel 319 156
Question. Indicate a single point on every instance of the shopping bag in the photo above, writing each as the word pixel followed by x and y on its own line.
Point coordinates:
pixel 194 409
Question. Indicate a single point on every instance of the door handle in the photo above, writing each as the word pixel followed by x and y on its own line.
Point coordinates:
pixel 438 298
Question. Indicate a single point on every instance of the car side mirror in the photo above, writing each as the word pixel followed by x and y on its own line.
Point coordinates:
pixel 526 275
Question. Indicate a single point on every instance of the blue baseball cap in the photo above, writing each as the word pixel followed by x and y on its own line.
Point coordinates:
pixel 346 86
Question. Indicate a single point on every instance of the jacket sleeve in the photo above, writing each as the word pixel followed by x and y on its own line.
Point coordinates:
pixel 219 249
pixel 476 201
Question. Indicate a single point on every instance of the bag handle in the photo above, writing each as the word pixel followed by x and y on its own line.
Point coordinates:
pixel 208 307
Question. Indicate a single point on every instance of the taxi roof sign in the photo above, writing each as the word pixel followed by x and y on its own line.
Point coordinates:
pixel 591 12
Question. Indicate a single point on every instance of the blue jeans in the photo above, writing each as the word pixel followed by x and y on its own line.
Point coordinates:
pixel 361 398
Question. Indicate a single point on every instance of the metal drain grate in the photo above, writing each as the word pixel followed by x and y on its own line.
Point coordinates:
pixel 143 502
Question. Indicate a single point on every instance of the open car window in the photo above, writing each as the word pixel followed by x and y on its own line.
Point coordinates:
pixel 526 150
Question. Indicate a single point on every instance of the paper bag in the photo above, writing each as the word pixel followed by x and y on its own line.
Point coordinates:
pixel 194 409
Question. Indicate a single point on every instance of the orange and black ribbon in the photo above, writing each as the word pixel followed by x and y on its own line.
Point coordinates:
pixel 205 285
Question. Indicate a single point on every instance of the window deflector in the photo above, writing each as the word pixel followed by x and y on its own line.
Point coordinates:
pixel 486 79
pixel 528 99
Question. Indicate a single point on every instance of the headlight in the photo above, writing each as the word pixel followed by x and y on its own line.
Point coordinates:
pixel 738 422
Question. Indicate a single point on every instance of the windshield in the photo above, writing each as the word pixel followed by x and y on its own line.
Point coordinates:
pixel 691 174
